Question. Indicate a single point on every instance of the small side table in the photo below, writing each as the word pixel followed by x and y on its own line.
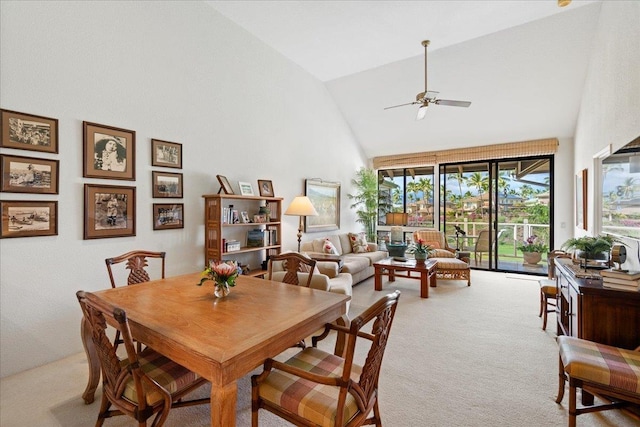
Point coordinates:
pixel 464 256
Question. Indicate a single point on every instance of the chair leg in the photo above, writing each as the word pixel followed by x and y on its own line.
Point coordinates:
pixel 572 403
pixel 544 313
pixel 541 303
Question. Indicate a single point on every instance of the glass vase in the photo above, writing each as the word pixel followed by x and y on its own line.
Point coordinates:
pixel 221 290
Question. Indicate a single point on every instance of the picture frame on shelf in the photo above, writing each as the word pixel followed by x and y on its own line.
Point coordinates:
pixel 581 200
pixel 28 218
pixel 260 219
pixel 265 188
pixel 327 195
pixel 224 185
pixel 167 185
pixel 28 132
pixel 28 175
pixel 244 217
pixel 166 154
pixel 167 216
pixel 109 211
pixel 108 152
pixel 245 188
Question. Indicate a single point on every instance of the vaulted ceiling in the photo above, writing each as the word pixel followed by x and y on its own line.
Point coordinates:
pixel 522 64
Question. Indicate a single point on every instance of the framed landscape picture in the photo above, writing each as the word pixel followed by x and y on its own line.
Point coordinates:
pixel 325 197
pixel 109 152
pixel 167 185
pixel 28 175
pixel 28 132
pixel 168 215
pixel 28 218
pixel 109 211
pixel 167 154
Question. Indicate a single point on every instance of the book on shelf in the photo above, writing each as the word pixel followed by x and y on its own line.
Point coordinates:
pixel 625 287
pixel 621 281
pixel 628 275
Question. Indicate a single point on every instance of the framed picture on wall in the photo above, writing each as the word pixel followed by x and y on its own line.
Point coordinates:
pixel 28 175
pixel 28 218
pixel 167 185
pixel 109 152
pixel 109 211
pixel 167 216
pixel 167 154
pixel 581 200
pixel 28 132
pixel 325 197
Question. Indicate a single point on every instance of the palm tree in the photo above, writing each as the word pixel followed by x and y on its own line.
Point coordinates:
pixel 480 181
pixel 366 200
pixel 459 178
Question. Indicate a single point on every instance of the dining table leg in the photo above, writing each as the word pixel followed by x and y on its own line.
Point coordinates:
pixel 223 404
pixel 93 362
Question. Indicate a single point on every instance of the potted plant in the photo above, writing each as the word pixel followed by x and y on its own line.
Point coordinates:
pixel 532 249
pixel 420 250
pixel 589 247
pixel 366 200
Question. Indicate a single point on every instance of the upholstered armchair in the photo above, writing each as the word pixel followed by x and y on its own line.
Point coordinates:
pixel 437 240
pixel 448 266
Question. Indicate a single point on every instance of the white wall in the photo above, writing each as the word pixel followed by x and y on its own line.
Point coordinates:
pixel 176 71
pixel 610 108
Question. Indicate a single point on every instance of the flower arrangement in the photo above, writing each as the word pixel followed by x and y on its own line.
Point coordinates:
pixel 532 245
pixel 221 272
pixel 419 248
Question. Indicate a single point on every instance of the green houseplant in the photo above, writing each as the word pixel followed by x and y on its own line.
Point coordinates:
pixel 365 200
pixel 420 250
pixel 590 247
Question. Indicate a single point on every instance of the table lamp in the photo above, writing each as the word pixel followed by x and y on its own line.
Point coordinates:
pixel 301 206
pixel 396 245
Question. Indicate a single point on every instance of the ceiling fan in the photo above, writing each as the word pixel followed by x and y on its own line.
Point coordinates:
pixel 428 96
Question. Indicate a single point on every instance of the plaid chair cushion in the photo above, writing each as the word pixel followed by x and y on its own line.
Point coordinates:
pixel 315 402
pixel 601 364
pixel 171 376
pixel 451 264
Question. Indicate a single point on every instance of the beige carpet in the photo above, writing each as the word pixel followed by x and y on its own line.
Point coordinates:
pixel 467 356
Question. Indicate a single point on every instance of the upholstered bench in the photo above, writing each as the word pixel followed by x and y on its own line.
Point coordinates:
pixel 453 268
pixel 448 267
pixel 610 372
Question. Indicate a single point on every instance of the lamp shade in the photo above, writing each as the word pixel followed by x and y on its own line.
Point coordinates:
pixel 397 218
pixel 301 206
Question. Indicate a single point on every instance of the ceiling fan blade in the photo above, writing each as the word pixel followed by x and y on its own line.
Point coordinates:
pixel 402 105
pixel 452 103
pixel 431 95
pixel 422 111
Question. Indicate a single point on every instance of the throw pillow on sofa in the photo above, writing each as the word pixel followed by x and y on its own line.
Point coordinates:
pixel 329 248
pixel 359 243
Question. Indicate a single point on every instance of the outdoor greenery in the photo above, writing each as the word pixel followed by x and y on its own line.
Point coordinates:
pixel 365 200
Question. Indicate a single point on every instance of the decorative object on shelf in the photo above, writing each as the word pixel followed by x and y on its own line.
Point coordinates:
pixel 532 250
pixel 265 188
pixel 168 216
pixel 301 206
pixel 245 188
pixel 581 200
pixel 245 217
pixel 264 211
pixel 109 211
pixel 22 218
pixel 420 251
pixel 28 132
pixel 224 185
pixel 223 274
pixel 166 154
pixel 619 256
pixel 589 247
pixel 327 195
pixel 108 152
pixel 29 175
pixel 365 200
pixel 167 185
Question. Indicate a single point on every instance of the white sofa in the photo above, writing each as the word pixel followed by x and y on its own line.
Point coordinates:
pixel 358 265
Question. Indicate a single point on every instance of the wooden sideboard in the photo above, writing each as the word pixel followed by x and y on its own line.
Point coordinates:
pixel 590 311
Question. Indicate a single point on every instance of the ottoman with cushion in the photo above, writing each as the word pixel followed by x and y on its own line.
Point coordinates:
pixel 448 267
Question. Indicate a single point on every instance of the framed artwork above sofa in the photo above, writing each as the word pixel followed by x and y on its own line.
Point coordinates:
pixel 325 197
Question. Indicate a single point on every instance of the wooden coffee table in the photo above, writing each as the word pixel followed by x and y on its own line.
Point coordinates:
pixel 391 268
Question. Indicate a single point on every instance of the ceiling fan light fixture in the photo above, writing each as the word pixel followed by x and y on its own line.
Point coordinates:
pixel 563 3
pixel 422 111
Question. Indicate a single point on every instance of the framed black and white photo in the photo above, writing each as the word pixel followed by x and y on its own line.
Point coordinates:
pixel 28 175
pixel 245 188
pixel 265 188
pixel 167 185
pixel 166 154
pixel 28 218
pixel 109 211
pixel 325 197
pixel 28 132
pixel 109 152
pixel 167 216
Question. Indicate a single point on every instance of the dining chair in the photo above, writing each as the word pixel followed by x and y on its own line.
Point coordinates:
pixel 295 268
pixel 136 261
pixel 141 384
pixel 315 387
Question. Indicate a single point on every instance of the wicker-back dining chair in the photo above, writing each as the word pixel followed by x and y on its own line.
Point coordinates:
pixel 292 263
pixel 315 388
pixel 142 384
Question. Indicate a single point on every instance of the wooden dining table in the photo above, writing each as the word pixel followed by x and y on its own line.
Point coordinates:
pixel 221 339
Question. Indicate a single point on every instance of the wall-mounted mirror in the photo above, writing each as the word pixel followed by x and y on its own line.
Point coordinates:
pixel 620 208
